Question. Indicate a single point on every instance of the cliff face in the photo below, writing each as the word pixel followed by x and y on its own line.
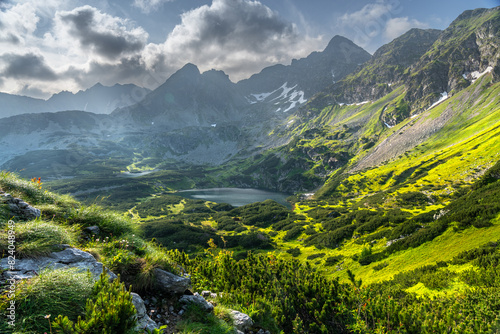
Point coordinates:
pixel 467 48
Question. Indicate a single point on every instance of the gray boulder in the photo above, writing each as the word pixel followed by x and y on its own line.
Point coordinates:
pixel 143 320
pixel 68 258
pixel 170 283
pixel 198 300
pixel 18 208
pixel 241 321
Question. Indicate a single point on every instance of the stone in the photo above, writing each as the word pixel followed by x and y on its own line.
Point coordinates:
pixel 19 208
pixel 206 293
pixel 198 300
pixel 92 229
pixel 143 320
pixel 68 258
pixel 170 283
pixel 241 321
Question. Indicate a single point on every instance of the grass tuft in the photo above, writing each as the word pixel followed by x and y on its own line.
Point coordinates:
pixel 38 238
pixel 53 292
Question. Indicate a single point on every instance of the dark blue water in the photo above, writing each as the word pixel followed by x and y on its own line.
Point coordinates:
pixel 234 196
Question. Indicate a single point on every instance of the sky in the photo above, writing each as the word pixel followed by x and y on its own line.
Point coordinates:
pixel 54 45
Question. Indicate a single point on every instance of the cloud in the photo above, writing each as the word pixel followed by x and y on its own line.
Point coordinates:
pixel 147 6
pixel 237 36
pixel 107 36
pixel 27 66
pixel 62 46
pixel 397 26
pixel 17 22
pixel 367 25
pixel 376 23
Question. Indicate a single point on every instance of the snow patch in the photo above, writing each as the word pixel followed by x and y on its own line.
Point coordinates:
pixel 287 95
pixel 260 97
pixel 285 92
pixel 388 125
pixel 476 74
pixel 358 104
pixel 444 96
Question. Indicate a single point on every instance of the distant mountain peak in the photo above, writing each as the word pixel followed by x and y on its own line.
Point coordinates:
pixel 190 67
pixel 336 42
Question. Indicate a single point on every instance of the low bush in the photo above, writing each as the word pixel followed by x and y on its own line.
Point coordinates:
pixel 109 310
pixel 293 233
pixel 333 260
pixel 294 251
pixel 315 256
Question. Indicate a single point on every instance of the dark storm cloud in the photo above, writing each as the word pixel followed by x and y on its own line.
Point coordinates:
pixel 27 66
pixel 237 23
pixel 110 41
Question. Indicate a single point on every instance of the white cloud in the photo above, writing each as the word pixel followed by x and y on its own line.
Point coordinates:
pixel 239 37
pixel 73 48
pixel 399 25
pixel 376 23
pixel 147 6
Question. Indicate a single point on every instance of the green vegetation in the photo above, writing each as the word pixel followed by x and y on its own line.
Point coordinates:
pixel 51 293
pixel 37 238
pixel 401 236
pixel 108 310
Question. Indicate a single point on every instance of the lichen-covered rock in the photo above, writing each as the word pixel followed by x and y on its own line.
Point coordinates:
pixel 68 258
pixel 170 283
pixel 143 320
pixel 241 321
pixel 198 300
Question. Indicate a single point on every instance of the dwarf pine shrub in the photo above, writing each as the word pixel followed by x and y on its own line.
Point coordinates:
pixel 109 311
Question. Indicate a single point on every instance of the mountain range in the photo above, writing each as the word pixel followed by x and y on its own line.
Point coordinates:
pixel 390 164
pixel 97 99
pixel 205 119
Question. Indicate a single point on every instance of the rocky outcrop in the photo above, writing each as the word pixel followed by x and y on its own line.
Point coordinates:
pixel 68 258
pixel 197 300
pixel 169 283
pixel 143 320
pixel 17 208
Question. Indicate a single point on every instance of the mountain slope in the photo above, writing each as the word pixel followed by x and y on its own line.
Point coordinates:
pixel 187 98
pixel 294 84
pixel 467 48
pixel 375 114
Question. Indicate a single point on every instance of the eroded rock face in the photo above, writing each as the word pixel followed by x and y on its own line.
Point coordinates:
pixel 17 208
pixel 68 258
pixel 143 320
pixel 169 283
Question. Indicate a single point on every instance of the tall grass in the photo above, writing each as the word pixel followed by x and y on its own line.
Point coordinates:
pixel 53 292
pixel 37 238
